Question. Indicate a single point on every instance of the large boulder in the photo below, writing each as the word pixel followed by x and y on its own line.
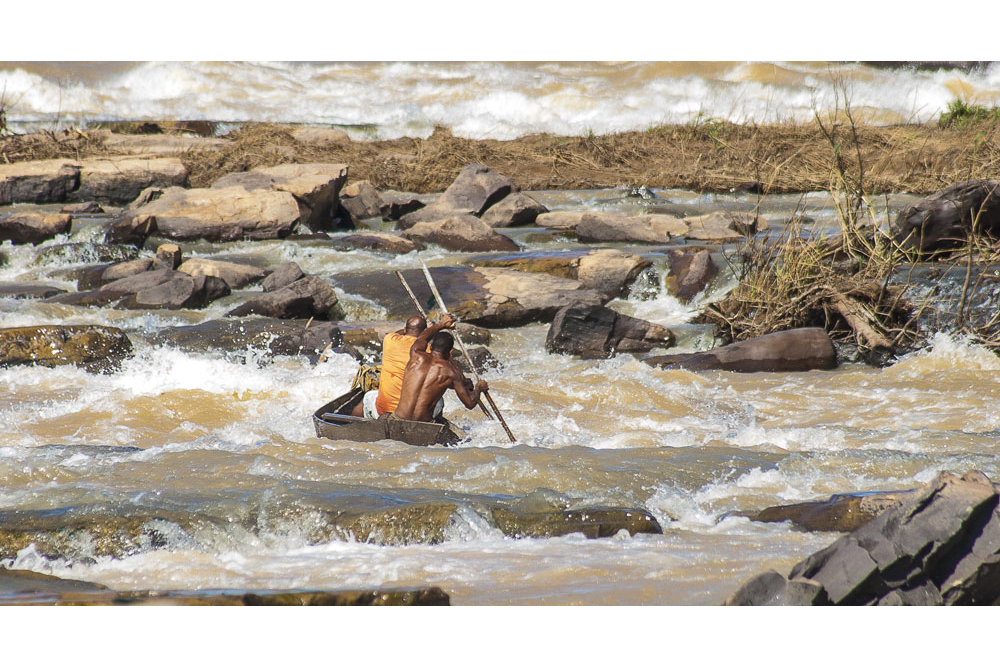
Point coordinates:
pixel 316 188
pixel 474 190
pixel 180 291
pixel 724 227
pixel 33 227
pixel 220 214
pixel 307 297
pixel 461 232
pixel 785 351
pixel 840 513
pixel 944 219
pixel 940 547
pixel 38 181
pixel 95 348
pixel 610 272
pixel 597 332
pixel 652 228
pixel 120 179
pixel 282 276
pixel 490 297
pixel 130 230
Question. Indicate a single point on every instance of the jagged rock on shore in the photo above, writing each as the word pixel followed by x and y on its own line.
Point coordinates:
pixel 840 513
pixel 38 181
pixel 940 547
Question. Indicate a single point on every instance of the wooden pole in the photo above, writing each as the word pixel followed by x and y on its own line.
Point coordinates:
pixel 420 310
pixel 461 345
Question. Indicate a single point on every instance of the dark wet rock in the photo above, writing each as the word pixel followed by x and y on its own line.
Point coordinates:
pixel 593 522
pixel 91 298
pixel 840 513
pixel 940 546
pixel 378 241
pixel 102 275
pixel 307 297
pixel 568 221
pixel 369 335
pixel 82 208
pixel 514 210
pixel 490 297
pixel 597 332
pixel 92 347
pixel 690 273
pixel 474 190
pixel 131 230
pixel 773 589
pixel 610 272
pixel 788 351
pixel 283 276
pixel 481 357
pixel 284 337
pixel 38 181
pixel 749 187
pixel 28 291
pixel 465 233
pixel 316 188
pixel 362 200
pixel 139 280
pixel 3 258
pixel 219 214
pixel 233 274
pixel 944 219
pixel 652 228
pixel 33 227
pixel 395 210
pixel 120 179
pixel 180 291
pixel 412 523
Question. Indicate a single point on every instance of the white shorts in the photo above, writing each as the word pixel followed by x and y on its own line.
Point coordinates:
pixel 372 413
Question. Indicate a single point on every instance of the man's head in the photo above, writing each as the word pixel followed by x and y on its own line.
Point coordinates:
pixel 415 326
pixel 442 342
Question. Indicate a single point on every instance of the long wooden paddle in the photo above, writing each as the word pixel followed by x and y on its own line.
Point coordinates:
pixel 413 297
pixel 461 345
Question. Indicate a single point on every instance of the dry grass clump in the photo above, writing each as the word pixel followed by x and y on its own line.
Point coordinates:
pixel 45 145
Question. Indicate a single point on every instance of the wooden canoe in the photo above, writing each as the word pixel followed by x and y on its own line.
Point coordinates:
pixel 334 421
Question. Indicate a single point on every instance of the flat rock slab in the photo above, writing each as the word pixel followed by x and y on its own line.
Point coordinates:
pixel 284 337
pixel 235 275
pixel 28 291
pixel 783 351
pixel 120 179
pixel 93 347
pixel 316 188
pixel 490 297
pixel 610 272
pixel 464 233
pixel 724 227
pixel 38 181
pixel 650 229
pixel 221 214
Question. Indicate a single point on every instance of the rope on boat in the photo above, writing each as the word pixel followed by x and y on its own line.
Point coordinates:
pixel 367 377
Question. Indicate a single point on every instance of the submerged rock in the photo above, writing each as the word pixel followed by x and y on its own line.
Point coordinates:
pixel 593 522
pixel 284 337
pixel 786 351
pixel 92 347
pixel 840 513
pixel 28 291
pixel 378 241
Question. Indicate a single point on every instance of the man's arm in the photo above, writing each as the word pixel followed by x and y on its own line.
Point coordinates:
pixel 468 395
pixel 420 344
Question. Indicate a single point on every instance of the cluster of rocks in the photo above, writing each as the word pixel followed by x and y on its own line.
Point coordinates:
pixel 936 545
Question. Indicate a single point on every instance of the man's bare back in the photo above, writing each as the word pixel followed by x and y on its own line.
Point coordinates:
pixel 430 374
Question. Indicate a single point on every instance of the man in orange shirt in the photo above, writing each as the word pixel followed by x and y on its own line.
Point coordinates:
pixel 395 355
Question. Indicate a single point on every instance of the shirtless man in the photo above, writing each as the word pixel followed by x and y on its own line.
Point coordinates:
pixel 430 374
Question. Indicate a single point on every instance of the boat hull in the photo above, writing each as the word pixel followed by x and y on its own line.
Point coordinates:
pixel 334 421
